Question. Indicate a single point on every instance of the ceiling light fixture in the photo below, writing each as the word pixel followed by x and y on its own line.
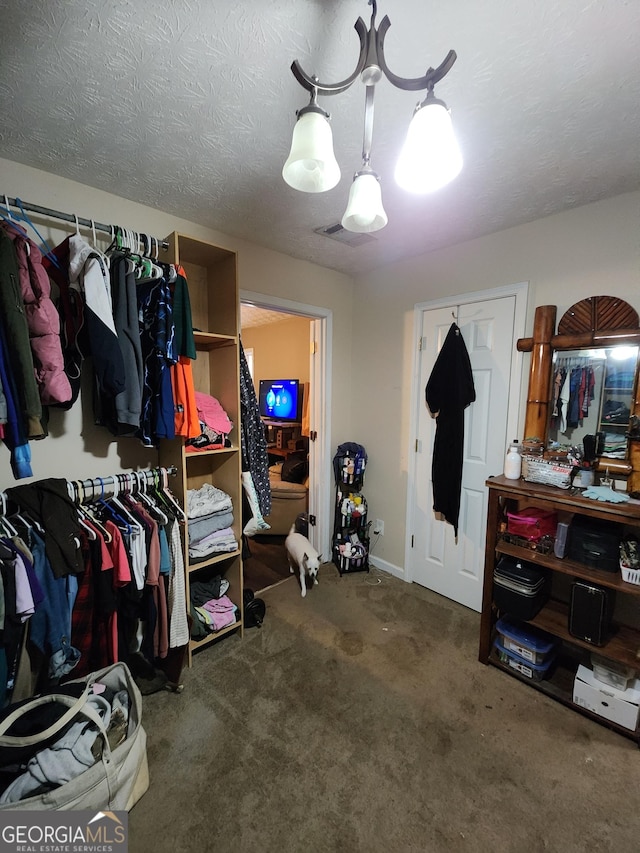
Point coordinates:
pixel 429 159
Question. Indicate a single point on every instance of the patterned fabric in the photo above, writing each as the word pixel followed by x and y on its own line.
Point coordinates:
pixel 88 630
pixel 255 457
pixel 178 626
pixel 156 337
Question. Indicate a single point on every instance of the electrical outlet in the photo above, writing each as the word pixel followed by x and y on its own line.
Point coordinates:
pixel 379 528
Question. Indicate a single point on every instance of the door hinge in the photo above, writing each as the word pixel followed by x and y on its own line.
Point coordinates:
pixel 313 435
pixel 422 344
pixel 412 540
pixel 418 446
pixel 313 348
pixel 312 520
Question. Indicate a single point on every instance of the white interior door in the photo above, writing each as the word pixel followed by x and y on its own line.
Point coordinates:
pixel 449 567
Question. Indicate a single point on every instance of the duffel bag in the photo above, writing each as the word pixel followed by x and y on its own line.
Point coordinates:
pixel 532 523
pixel 117 778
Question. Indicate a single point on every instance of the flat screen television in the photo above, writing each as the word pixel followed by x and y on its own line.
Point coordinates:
pixel 280 400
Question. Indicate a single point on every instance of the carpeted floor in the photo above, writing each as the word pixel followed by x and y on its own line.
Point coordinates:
pixel 359 719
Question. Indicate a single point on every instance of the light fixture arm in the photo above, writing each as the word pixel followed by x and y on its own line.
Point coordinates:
pixel 310 83
pixel 367 137
pixel 411 84
pixel 372 55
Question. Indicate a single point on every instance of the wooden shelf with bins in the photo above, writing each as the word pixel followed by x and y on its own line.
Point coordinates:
pixel 211 274
pixel 624 644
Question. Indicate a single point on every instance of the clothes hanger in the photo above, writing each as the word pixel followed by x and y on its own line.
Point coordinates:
pixel 165 494
pixel 45 248
pixel 111 510
pixel 115 499
pixel 155 266
pixel 82 521
pixel 12 221
pixel 86 525
pixel 6 525
pixel 153 507
pixel 89 515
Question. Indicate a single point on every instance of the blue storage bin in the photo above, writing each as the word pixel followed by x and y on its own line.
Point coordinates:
pixel 526 641
pixel 534 671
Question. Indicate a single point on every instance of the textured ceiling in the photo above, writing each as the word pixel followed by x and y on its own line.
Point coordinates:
pixel 252 316
pixel 188 106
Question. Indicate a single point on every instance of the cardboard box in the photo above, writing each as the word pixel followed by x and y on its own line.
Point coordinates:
pixel 619 706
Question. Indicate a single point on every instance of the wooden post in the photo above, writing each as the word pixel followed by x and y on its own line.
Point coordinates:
pixel 540 379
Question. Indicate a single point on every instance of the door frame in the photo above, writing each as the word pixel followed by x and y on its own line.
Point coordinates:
pixel 319 409
pixel 516 391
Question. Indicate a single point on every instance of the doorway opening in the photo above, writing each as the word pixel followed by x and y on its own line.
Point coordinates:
pixel 290 341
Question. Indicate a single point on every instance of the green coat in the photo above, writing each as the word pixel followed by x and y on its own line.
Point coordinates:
pixel 16 333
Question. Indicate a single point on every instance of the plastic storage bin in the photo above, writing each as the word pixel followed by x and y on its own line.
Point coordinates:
pixel 611 672
pixel 534 671
pixel 527 641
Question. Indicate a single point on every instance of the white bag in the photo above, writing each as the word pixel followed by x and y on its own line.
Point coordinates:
pixel 118 779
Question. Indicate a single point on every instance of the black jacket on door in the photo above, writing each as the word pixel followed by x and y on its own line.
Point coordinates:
pixel 449 391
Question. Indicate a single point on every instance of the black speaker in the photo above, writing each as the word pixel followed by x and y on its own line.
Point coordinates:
pixel 591 612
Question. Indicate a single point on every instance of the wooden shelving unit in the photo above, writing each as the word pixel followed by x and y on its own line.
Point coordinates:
pixel 624 644
pixel 213 291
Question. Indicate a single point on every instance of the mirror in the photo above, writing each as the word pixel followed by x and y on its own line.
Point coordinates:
pixel 599 335
pixel 592 394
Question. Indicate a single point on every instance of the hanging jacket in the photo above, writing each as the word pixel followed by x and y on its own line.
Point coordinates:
pixel 121 413
pixel 48 502
pixel 16 335
pixel 43 321
pixel 89 273
pixel 450 389
pixel 75 341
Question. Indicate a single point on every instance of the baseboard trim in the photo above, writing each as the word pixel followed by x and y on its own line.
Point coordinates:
pixel 384 566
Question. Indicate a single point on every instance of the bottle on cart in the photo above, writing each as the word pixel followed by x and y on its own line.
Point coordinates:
pixel 513 461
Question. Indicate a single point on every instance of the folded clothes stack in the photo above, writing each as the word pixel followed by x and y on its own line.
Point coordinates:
pixel 215 424
pixel 211 608
pixel 615 445
pixel 210 520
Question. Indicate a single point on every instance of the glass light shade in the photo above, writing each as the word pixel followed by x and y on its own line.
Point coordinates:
pixel 311 166
pixel 430 157
pixel 364 211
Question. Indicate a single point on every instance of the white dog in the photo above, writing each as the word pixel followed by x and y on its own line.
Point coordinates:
pixel 303 555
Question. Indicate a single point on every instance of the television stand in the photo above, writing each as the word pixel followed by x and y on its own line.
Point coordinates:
pixel 283 424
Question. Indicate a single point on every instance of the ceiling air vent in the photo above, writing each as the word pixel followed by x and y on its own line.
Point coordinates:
pixel 349 238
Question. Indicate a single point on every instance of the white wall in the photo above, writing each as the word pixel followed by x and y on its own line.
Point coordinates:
pixel 77 448
pixel 592 250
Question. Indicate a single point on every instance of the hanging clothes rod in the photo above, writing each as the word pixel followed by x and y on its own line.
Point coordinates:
pixel 68 217
pixel 97 483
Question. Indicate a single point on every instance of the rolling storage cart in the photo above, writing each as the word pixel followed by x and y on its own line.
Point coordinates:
pixel 350 544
